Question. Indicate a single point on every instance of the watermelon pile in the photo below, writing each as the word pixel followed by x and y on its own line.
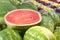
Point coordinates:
pixel 29 20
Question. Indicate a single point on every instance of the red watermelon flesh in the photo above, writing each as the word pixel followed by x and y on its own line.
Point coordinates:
pixel 24 16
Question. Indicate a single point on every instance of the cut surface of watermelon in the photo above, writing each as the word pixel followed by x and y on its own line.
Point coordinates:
pixel 23 17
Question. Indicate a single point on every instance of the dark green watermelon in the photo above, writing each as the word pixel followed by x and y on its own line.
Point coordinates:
pixel 22 4
pixel 26 5
pixel 5 7
pixel 47 22
pixel 54 16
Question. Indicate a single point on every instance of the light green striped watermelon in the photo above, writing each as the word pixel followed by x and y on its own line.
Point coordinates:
pixel 9 34
pixel 39 33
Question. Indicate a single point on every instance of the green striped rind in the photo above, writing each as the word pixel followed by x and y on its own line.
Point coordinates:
pixel 59 15
pixel 57 32
pixel 50 20
pixel 21 4
pixel 9 34
pixel 47 22
pixel 54 16
pixel 14 2
pixel 38 33
pixel 26 5
pixel 5 6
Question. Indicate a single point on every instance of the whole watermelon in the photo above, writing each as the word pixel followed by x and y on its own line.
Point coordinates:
pixel 22 4
pixel 54 16
pixel 5 7
pixel 47 22
pixel 39 33
pixel 9 34
pixel 26 5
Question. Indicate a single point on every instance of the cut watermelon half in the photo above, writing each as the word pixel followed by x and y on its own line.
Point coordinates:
pixel 22 17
